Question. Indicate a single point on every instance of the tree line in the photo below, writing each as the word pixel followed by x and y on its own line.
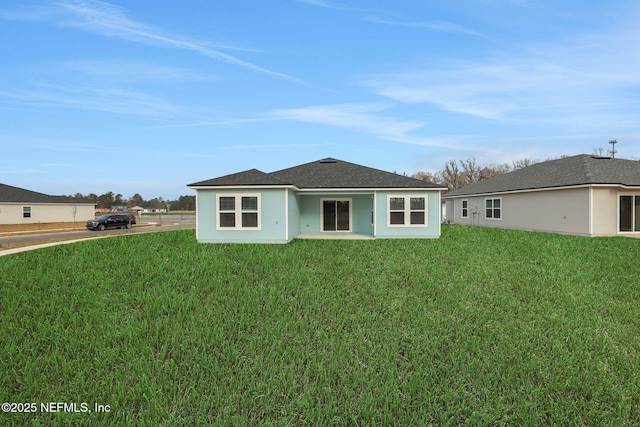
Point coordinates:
pixel 458 174
pixel 454 175
pixel 109 199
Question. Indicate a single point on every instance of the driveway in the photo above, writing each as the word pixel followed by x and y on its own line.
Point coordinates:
pixel 35 239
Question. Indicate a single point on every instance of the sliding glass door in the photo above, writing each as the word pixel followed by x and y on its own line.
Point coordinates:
pixel 629 213
pixel 336 215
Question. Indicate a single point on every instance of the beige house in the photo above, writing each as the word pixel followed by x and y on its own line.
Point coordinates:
pixel 583 195
pixel 20 206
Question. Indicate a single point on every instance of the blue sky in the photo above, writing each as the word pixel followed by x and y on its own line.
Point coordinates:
pixel 148 96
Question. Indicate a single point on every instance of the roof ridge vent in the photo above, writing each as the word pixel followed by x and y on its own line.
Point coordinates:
pixel 328 160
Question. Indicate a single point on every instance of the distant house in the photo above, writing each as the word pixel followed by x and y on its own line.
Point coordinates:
pixel 328 198
pixel 583 195
pixel 20 206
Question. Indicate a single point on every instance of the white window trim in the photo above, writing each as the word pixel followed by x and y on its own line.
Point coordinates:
pixel 462 208
pixel 493 209
pixel 30 212
pixel 407 210
pixel 337 199
pixel 632 212
pixel 238 211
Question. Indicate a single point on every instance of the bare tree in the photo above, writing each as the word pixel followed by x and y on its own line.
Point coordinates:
pixel 452 176
pixel 427 177
pixel 459 174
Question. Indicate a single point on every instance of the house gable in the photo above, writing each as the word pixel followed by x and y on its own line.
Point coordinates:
pixel 10 194
pixel 20 206
pixel 333 173
pixel 572 171
pixel 322 174
pixel 302 200
pixel 583 195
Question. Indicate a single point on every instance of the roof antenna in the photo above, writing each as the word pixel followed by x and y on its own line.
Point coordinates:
pixel 613 150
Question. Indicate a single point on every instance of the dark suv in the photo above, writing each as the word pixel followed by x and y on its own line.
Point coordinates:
pixel 110 221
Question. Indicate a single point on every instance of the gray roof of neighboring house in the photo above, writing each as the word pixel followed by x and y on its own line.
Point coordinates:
pixel 10 194
pixel 583 169
pixel 325 173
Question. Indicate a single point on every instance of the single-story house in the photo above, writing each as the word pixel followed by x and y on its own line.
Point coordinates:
pixel 583 195
pixel 20 206
pixel 328 198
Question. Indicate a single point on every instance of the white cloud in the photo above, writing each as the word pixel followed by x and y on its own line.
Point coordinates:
pixel 121 70
pixel 320 3
pixel 364 118
pixel 109 20
pixel 120 101
pixel 440 26
pixel 571 82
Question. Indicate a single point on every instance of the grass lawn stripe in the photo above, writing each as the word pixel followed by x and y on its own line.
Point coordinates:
pixel 481 327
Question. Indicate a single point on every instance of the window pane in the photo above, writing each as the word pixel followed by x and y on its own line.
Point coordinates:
pixel 417 203
pixel 417 217
pixel 342 215
pixel 249 203
pixel 496 203
pixel 465 204
pixel 496 213
pixel 625 213
pixel 227 203
pixel 396 217
pixel 329 215
pixel 249 219
pixel 488 203
pixel 489 213
pixel 637 214
pixel 396 203
pixel 26 211
pixel 227 220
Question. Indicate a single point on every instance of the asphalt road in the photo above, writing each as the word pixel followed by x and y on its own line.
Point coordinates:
pixel 167 222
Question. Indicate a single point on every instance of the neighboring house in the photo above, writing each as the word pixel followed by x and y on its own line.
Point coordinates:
pixel 20 206
pixel 327 198
pixel 583 195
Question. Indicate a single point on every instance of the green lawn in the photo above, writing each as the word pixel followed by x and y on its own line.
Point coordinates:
pixel 479 327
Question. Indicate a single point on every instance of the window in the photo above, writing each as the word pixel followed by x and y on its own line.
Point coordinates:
pixel 493 209
pixel 238 212
pixel 26 212
pixel 407 211
pixel 629 213
pixel 336 214
pixel 465 209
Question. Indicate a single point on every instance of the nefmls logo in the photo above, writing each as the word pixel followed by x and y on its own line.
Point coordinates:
pixel 64 407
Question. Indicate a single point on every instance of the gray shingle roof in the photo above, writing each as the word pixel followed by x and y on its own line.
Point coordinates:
pixel 325 173
pixel 10 194
pixel 583 169
pixel 248 177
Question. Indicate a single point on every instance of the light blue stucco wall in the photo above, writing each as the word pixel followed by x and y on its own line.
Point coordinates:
pixel 304 215
pixel 294 214
pixel 272 207
pixel 311 207
pixel 432 230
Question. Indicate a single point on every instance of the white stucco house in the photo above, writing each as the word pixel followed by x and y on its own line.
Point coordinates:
pixel 20 206
pixel 583 195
